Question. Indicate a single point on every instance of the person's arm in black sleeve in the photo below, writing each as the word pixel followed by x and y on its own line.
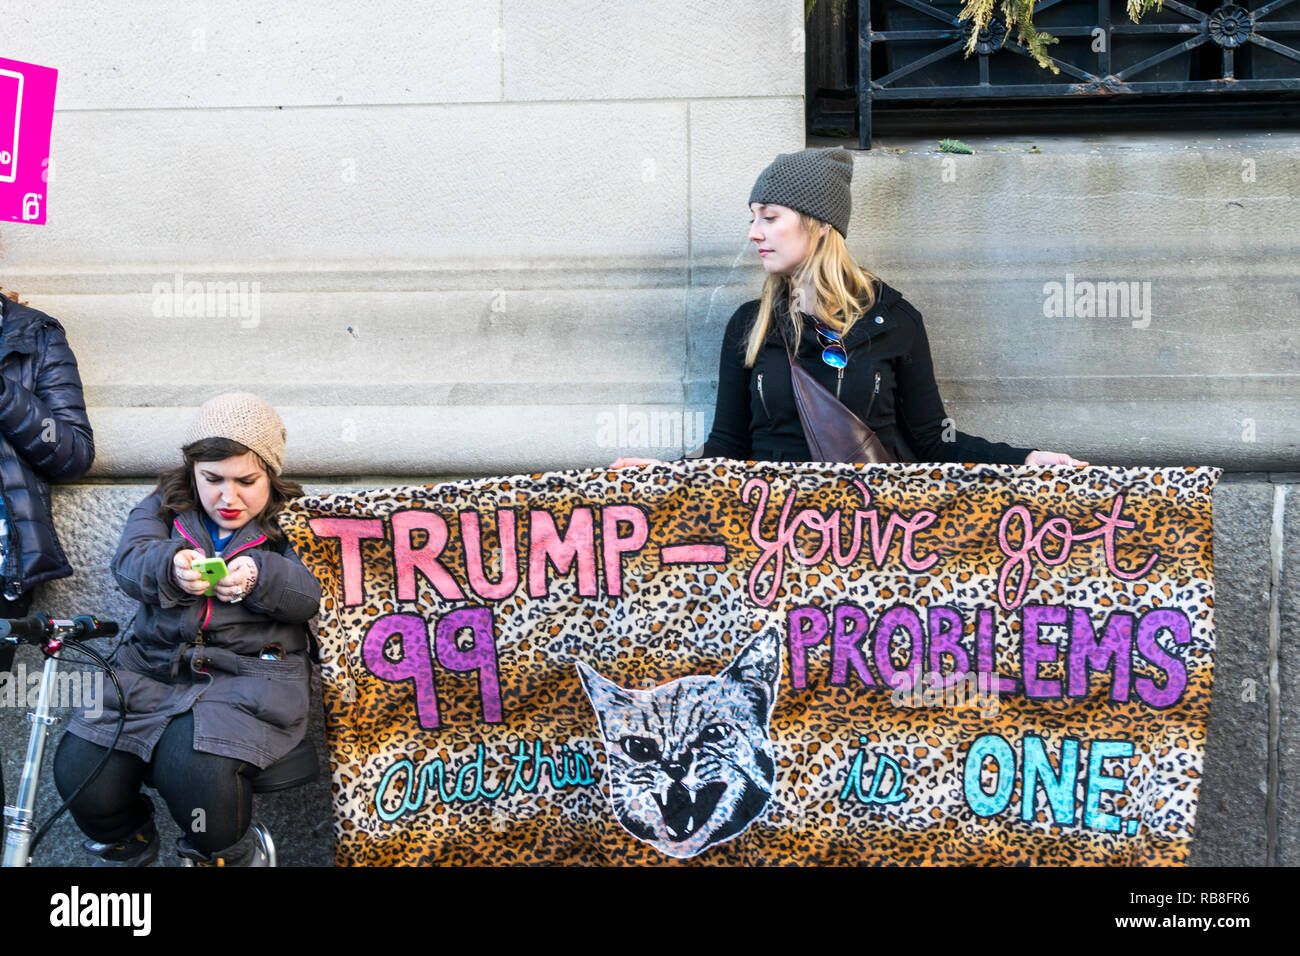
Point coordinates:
pixel 920 414
pixel 730 436
pixel 48 426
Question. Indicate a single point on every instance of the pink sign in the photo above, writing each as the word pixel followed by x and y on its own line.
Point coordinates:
pixel 26 114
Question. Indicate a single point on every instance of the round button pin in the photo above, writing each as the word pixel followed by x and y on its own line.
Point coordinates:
pixel 880 320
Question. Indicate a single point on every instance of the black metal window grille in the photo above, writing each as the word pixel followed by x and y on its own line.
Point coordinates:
pixel 1101 52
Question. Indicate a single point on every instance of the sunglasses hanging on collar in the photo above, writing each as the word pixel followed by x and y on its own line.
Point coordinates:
pixel 833 353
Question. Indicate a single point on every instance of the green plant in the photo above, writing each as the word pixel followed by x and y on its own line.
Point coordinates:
pixel 1017 13
pixel 1020 15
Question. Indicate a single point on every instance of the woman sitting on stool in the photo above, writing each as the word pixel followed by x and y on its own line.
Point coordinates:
pixel 216 687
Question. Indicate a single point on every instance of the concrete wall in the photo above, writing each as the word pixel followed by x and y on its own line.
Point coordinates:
pixel 476 237
pixel 472 224
pixel 476 229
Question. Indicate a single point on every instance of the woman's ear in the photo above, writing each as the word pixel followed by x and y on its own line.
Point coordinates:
pixel 825 226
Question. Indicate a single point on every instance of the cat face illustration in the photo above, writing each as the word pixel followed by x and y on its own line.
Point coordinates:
pixel 690 762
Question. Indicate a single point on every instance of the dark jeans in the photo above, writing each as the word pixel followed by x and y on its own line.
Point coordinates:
pixel 10 609
pixel 210 797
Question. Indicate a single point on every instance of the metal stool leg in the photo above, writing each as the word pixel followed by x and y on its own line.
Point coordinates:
pixel 264 841
pixel 255 848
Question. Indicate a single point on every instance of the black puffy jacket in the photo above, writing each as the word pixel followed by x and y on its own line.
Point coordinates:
pixel 44 436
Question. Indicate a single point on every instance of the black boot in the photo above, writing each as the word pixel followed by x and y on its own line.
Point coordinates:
pixel 247 851
pixel 138 849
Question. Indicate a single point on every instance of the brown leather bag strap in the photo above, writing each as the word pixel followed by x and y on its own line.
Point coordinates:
pixel 831 430
pixel 803 401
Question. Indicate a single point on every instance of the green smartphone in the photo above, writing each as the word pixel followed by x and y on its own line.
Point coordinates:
pixel 212 570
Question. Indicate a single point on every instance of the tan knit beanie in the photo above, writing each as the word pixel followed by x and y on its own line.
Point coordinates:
pixel 245 418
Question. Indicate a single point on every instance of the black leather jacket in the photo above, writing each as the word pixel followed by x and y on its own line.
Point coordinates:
pixel 44 436
pixel 888 382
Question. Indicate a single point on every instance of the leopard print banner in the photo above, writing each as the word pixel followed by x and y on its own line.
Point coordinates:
pixel 714 662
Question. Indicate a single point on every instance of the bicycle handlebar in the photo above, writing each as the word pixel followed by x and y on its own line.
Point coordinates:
pixel 37 628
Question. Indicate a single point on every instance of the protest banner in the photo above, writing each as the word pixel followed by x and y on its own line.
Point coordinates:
pixel 734 663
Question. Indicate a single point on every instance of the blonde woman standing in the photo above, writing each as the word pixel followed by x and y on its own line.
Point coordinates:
pixel 855 334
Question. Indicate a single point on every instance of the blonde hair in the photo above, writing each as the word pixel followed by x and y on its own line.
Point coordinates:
pixel 843 289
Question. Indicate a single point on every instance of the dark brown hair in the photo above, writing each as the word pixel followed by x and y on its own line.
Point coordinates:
pixel 176 485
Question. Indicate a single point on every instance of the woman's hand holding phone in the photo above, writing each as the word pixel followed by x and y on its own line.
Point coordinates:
pixel 240 580
pixel 187 579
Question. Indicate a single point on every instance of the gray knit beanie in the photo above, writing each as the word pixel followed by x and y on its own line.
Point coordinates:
pixel 245 418
pixel 812 181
